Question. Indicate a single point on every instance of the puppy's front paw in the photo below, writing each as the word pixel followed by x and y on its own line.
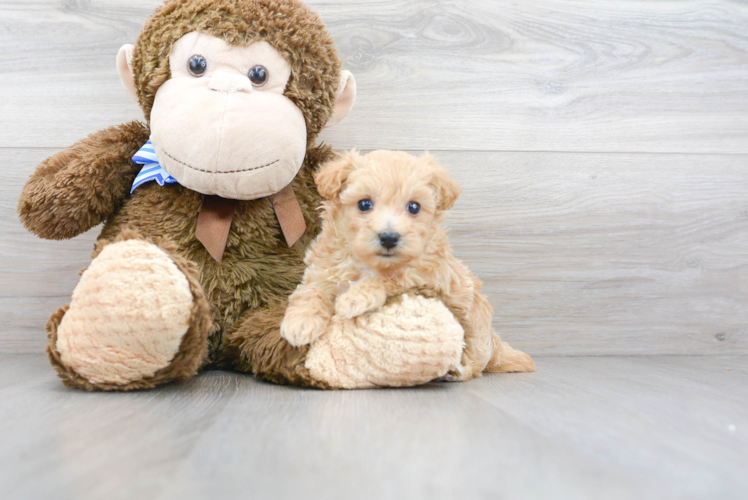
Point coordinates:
pixel 301 329
pixel 355 302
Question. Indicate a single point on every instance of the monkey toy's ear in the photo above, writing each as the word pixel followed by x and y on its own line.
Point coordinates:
pixel 124 68
pixel 346 97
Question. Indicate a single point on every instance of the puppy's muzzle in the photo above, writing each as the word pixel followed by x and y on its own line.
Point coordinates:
pixel 389 240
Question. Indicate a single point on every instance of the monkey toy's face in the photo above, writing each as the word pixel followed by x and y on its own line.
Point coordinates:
pixel 221 125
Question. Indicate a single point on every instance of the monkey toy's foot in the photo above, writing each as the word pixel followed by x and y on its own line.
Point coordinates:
pixel 138 318
pixel 409 341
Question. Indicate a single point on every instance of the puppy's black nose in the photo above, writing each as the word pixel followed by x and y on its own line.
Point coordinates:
pixel 389 240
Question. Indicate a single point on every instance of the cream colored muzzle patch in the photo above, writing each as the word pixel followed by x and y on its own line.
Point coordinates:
pixel 128 315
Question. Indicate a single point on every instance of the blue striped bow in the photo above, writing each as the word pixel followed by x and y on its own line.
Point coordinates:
pixel 152 169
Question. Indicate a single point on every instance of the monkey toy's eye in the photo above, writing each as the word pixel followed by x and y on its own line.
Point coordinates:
pixel 414 208
pixel 258 75
pixel 365 205
pixel 198 66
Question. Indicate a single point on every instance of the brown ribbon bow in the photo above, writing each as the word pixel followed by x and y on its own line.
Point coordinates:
pixel 216 214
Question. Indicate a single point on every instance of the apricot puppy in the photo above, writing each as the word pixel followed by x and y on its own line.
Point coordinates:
pixel 381 237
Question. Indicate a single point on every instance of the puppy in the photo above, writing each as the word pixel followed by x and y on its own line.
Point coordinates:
pixel 381 237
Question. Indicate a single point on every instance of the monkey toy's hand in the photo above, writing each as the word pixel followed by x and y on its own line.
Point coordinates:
pixel 78 188
pixel 307 317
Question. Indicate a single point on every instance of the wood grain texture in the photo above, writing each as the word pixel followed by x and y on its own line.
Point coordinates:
pixel 566 121
pixel 549 75
pixel 614 428
pixel 608 254
pixel 580 253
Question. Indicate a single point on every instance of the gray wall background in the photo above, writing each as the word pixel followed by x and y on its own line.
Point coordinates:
pixel 602 147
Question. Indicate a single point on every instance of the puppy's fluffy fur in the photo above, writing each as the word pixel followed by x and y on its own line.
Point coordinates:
pixel 353 266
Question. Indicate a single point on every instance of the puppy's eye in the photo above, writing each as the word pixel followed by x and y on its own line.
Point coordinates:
pixel 414 208
pixel 258 75
pixel 365 205
pixel 198 65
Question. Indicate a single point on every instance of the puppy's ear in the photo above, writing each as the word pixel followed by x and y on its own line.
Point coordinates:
pixel 332 176
pixel 447 189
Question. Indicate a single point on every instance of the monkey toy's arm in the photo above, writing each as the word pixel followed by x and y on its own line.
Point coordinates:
pixel 76 189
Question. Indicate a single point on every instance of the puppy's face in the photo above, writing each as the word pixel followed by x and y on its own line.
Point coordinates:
pixel 386 205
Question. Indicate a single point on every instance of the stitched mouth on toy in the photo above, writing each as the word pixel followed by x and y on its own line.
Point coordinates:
pixel 219 172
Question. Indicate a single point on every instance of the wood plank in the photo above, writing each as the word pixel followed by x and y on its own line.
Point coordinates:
pixel 620 428
pixel 608 254
pixel 550 75
pixel 580 253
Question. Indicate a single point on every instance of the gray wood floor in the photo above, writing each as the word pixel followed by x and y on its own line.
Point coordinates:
pixel 621 427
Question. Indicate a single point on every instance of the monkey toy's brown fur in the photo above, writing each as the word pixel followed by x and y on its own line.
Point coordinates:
pixel 237 305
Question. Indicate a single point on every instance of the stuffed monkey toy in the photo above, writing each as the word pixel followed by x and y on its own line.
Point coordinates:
pixel 207 207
